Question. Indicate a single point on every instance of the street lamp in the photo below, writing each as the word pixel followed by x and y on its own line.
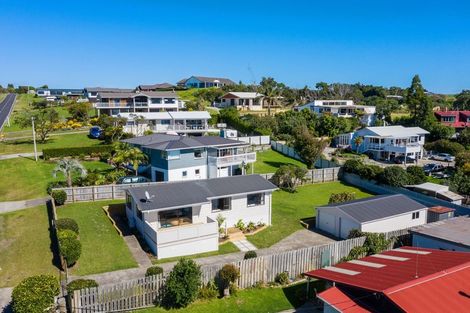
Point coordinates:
pixel 34 140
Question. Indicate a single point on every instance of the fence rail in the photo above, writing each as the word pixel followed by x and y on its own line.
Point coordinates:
pixel 290 152
pixel 144 292
pixel 316 175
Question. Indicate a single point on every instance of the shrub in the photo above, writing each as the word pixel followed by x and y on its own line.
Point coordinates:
pixel 67 223
pixel 250 255
pixel 462 158
pixel 59 197
pixel 154 270
pixel 70 246
pixel 35 294
pixel 81 284
pixel 228 274
pixel 75 152
pixel 251 226
pixel 445 146
pixel 394 176
pixel 370 172
pixel 208 291
pixel 288 177
pixel 282 278
pixel 182 285
pixel 240 225
pixel 55 184
pixel 233 289
pixel 355 233
pixel 353 166
pixel 342 197
pixel 416 175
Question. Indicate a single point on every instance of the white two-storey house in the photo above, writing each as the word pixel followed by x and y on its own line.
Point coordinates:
pixel 177 219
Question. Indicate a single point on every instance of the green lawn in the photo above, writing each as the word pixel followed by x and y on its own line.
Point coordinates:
pixel 59 141
pixel 289 208
pixel 269 161
pixel 23 178
pixel 25 245
pixel 225 248
pixel 103 249
pixel 253 300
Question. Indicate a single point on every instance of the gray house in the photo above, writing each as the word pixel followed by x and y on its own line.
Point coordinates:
pixel 204 82
pixel 177 158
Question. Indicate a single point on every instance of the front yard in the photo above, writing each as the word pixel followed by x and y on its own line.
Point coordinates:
pixel 289 208
pixel 25 245
pixel 269 161
pixel 23 178
pixel 103 249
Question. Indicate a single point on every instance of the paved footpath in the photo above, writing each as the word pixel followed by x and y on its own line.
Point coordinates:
pixel 10 206
pixel 19 155
pixel 5 299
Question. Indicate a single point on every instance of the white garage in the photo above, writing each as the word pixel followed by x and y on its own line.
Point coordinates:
pixel 375 214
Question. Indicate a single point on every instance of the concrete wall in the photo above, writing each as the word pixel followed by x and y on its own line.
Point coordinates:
pixel 434 243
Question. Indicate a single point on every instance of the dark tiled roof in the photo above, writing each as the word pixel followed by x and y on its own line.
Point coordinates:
pixel 175 142
pixel 104 89
pixel 378 207
pixel 213 79
pixel 150 94
pixel 179 194
pixel 156 86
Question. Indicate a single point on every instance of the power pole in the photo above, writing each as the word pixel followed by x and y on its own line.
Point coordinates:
pixel 34 140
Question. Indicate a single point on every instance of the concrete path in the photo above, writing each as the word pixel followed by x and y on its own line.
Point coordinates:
pixel 19 155
pixel 244 245
pixel 139 255
pixel 307 307
pixel 301 239
pixel 10 206
pixel 5 299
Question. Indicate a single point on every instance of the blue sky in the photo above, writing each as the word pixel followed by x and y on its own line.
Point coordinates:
pixel 126 43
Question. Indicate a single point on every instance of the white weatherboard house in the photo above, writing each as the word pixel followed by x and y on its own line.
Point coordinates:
pixel 377 214
pixel 177 219
pixel 241 100
pixel 387 142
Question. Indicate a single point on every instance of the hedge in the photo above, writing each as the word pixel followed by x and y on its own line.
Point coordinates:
pixel 70 246
pixel 81 284
pixel 153 270
pixel 67 223
pixel 77 151
pixel 35 294
pixel 59 197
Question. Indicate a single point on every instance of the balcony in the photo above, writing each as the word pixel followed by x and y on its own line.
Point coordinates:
pixel 184 128
pixel 163 236
pixel 112 105
pixel 233 159
pixel 401 148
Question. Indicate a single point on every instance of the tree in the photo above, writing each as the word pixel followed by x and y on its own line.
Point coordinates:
pixel 126 154
pixel 112 127
pixel 342 197
pixel 308 147
pixel 439 131
pixel 68 167
pixel 182 284
pixel 445 146
pixel 462 159
pixel 416 175
pixel 419 104
pixel 464 137
pixel 462 101
pixel 289 176
pixel 79 111
pixel 44 121
pixel 394 176
pixel 460 183
pixel 35 294
pixel 358 141
pixel 271 91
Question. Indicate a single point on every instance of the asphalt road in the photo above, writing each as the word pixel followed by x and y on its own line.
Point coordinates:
pixel 6 107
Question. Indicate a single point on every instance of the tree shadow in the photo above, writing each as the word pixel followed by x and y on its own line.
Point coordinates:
pixel 277 164
pixel 54 246
pixel 297 294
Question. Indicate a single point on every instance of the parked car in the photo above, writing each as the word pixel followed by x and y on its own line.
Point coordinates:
pixel 132 180
pixel 440 175
pixel 95 132
pixel 432 168
pixel 401 159
pixel 443 157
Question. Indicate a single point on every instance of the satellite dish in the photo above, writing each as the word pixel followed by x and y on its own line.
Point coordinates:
pixel 148 198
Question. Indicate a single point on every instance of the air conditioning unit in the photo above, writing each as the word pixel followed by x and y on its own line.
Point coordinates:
pixel 229 133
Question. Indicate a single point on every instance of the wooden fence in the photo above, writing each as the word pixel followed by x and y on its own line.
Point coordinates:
pixel 111 192
pixel 144 292
pixel 290 152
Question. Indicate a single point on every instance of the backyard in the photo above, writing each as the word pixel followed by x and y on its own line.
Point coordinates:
pixel 269 161
pixel 23 178
pixel 103 249
pixel 25 245
pixel 289 208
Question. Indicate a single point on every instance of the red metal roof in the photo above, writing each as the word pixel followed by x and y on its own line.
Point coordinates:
pixel 460 121
pixel 440 209
pixel 341 301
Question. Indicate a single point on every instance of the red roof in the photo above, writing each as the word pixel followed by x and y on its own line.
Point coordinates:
pixel 460 121
pixel 440 209
pixel 415 279
pixel 341 301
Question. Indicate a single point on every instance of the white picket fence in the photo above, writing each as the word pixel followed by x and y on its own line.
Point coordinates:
pixel 144 292
pixel 255 140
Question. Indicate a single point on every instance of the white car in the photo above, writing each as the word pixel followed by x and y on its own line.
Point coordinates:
pixel 443 157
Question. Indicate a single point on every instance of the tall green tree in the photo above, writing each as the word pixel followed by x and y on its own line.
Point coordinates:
pixel 462 101
pixel 68 167
pixel 44 121
pixel 79 111
pixel 308 147
pixel 419 104
pixel 126 154
pixel 271 91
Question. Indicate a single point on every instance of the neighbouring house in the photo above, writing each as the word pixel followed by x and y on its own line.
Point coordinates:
pixel 176 158
pixel 407 279
pixel 377 214
pixel 92 92
pixel 439 213
pixel 450 234
pixel 456 119
pixel 341 108
pixel 241 100
pixel 179 122
pixel 177 219
pixel 386 142
pixel 156 87
pixel 437 191
pixel 204 82
pixel 69 93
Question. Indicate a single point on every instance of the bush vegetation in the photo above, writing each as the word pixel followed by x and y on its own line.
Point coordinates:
pixel 445 146
pixel 153 270
pixel 282 278
pixel 228 275
pixel 288 177
pixel 70 246
pixel 250 255
pixel 59 196
pixel 76 152
pixel 67 224
pixel 342 197
pixel 182 285
pixel 35 294
pixel 208 291
pixel 81 284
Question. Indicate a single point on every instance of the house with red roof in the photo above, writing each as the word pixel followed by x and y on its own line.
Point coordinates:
pixel 456 119
pixel 408 279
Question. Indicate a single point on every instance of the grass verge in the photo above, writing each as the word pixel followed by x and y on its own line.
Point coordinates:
pixel 225 248
pixel 269 161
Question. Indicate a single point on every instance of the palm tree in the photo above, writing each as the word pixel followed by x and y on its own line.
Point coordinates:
pixel 357 142
pixel 68 167
pixel 271 91
pixel 125 154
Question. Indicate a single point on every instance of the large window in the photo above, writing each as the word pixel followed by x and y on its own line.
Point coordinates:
pixel 221 204
pixel 170 155
pixel 176 217
pixel 197 154
pixel 170 100
pixel 156 100
pixel 255 199
pixel 415 215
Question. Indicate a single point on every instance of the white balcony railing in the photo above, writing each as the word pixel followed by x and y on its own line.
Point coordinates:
pixel 185 232
pixel 160 127
pixel 233 159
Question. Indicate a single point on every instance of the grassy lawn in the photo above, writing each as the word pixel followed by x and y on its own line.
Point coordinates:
pixel 289 208
pixel 253 300
pixel 225 248
pixel 269 161
pixel 26 179
pixel 103 250
pixel 59 141
pixel 25 245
